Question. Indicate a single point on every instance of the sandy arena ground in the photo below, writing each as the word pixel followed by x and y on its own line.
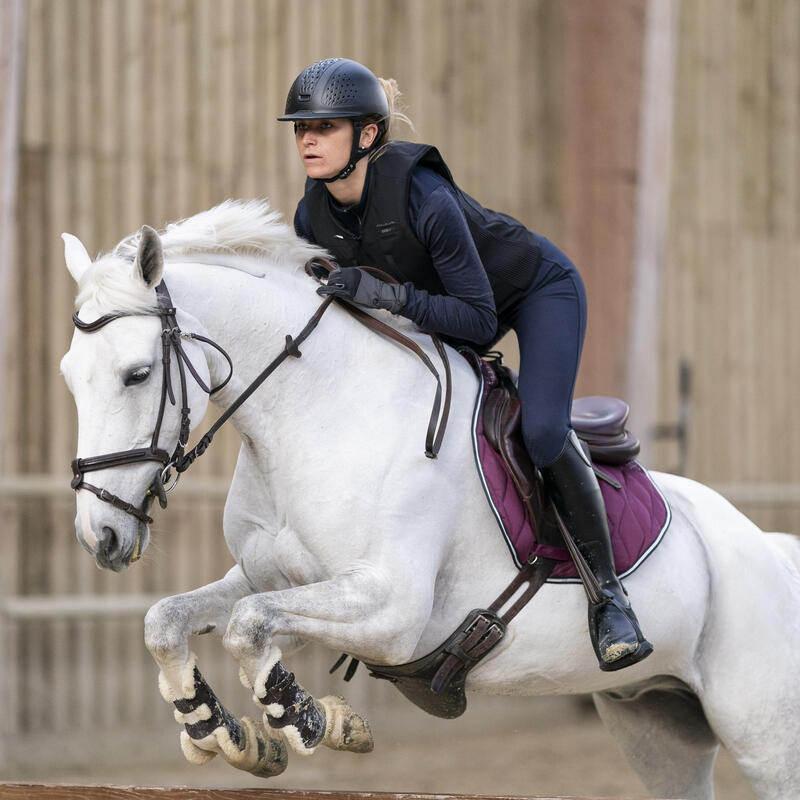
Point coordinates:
pixel 531 746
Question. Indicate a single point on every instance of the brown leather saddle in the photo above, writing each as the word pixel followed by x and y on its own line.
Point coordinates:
pixel 599 422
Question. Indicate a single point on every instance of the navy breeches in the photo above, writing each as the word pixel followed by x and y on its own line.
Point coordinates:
pixel 550 323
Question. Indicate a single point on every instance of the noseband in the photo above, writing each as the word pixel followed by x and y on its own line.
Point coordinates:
pixel 171 336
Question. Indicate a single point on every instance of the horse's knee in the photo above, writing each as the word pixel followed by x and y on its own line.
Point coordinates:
pixel 165 629
pixel 249 630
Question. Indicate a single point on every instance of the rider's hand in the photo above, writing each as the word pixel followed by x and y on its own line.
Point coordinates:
pixel 359 286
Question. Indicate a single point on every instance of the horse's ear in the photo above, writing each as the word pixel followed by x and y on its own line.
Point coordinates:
pixel 149 264
pixel 75 255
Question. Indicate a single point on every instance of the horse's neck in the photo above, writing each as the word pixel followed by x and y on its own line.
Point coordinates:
pixel 251 317
pixel 248 316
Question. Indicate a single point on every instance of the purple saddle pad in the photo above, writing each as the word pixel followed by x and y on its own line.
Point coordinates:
pixel 638 514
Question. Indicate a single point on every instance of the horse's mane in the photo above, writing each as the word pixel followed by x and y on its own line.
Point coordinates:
pixel 234 229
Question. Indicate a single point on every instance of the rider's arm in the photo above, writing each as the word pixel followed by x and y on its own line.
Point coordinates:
pixel 467 312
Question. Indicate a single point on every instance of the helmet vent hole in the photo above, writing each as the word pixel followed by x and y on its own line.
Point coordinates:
pixel 341 90
pixel 311 75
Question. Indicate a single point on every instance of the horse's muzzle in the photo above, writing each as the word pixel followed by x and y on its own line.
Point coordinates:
pixel 110 551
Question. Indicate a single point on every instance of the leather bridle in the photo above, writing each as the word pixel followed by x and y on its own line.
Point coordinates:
pixel 180 459
pixel 171 336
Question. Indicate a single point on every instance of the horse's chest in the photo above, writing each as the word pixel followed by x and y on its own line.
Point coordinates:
pixel 295 560
pixel 286 558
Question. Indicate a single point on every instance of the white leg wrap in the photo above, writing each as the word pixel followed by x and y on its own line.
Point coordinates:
pixel 192 753
pixel 201 713
pixel 294 739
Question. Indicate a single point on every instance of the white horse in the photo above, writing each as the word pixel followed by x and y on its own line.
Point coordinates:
pixel 344 533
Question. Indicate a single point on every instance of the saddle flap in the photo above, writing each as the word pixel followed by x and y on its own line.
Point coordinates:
pixel 502 426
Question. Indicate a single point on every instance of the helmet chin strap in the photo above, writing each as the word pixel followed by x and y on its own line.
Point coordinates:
pixel 356 152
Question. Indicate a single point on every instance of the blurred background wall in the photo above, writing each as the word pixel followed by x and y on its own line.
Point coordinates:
pixel 655 141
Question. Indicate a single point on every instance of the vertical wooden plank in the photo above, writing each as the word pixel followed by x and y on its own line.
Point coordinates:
pixel 600 172
pixel 249 105
pixel 12 31
pixel 784 85
pixel 132 85
pixel 13 54
pixel 652 216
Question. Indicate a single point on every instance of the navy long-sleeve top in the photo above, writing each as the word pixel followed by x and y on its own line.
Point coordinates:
pixel 467 312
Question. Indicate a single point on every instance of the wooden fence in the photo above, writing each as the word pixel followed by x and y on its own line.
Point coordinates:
pixel 733 248
pixel 30 791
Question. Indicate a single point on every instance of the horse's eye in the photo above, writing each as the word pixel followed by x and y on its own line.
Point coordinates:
pixel 138 375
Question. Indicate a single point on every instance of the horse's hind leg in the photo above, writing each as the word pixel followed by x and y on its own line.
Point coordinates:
pixel 666 739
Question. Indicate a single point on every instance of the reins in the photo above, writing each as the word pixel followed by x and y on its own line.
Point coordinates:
pixel 433 437
pixel 290 348
pixel 180 459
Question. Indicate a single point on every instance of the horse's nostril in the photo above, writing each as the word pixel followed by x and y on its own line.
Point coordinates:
pixel 109 543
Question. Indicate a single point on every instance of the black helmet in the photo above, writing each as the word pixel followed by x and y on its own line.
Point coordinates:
pixel 338 88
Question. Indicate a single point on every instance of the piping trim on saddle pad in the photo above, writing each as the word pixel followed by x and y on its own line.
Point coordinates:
pixel 640 558
pixel 477 455
pixel 653 545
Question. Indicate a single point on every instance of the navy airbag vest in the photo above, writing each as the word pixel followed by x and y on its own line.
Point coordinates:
pixel 509 251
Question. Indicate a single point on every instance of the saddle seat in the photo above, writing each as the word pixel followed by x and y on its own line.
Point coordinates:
pixel 599 422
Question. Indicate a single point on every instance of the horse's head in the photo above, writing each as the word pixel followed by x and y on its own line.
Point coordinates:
pixel 129 417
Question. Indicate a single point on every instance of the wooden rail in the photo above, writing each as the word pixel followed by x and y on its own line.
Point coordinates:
pixel 36 791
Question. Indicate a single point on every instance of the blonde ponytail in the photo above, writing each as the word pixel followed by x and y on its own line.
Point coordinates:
pixel 397 107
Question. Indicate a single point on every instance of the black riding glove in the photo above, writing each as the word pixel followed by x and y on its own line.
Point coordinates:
pixel 359 286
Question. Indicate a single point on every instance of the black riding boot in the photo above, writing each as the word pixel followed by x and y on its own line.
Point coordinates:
pixel 572 486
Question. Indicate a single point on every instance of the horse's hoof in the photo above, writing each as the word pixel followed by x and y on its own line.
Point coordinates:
pixel 257 751
pixel 267 755
pixel 344 729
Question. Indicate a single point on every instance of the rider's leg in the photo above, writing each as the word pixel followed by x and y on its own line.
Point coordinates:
pixel 572 486
pixel 550 323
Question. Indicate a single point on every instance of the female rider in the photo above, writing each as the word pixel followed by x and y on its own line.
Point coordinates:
pixel 466 272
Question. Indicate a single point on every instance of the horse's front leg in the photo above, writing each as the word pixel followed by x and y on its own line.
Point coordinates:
pixel 209 728
pixel 360 613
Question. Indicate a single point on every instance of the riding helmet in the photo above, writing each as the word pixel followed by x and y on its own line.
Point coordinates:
pixel 338 88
